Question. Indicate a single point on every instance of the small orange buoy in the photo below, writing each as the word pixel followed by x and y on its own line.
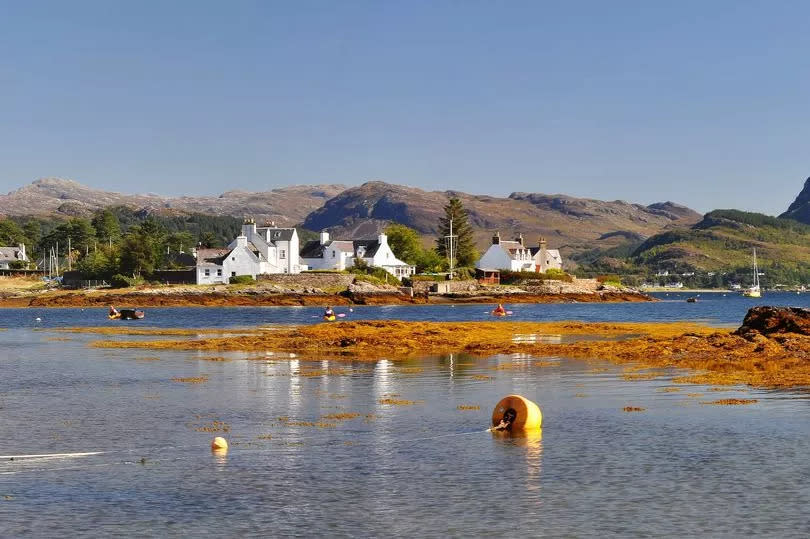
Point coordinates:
pixel 219 444
pixel 516 414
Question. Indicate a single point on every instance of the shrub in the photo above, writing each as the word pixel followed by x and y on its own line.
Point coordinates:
pixel 613 280
pixel 122 281
pixel 512 277
pixel 242 279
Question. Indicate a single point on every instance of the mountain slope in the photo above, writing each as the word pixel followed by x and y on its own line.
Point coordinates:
pixel 800 208
pixel 48 196
pixel 724 240
pixel 567 222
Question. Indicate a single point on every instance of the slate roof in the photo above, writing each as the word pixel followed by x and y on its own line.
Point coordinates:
pixel 276 234
pixel 211 257
pixel 314 249
pixel 9 254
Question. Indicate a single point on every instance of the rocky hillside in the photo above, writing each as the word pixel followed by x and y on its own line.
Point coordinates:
pixel 800 208
pixel 48 196
pixel 570 223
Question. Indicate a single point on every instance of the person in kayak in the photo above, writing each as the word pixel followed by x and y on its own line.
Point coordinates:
pixel 113 311
pixel 499 310
pixel 328 313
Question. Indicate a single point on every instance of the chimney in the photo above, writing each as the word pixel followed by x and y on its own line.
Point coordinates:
pixel 382 239
pixel 241 241
pixel 22 252
pixel 249 228
pixel 324 237
pixel 542 267
pixel 496 239
pixel 519 239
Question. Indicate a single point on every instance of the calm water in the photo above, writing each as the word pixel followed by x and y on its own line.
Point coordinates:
pixel 712 308
pixel 679 468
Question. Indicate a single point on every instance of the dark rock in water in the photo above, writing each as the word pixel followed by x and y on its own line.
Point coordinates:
pixel 771 320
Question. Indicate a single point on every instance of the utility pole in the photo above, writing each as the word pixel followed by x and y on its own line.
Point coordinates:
pixel 70 255
pixel 450 239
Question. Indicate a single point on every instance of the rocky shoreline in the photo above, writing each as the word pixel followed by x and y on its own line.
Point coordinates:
pixel 271 293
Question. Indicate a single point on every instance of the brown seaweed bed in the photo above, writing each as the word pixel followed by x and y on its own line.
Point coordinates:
pixel 715 356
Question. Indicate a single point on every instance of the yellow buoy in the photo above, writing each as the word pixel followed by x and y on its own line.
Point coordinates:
pixel 519 414
pixel 219 444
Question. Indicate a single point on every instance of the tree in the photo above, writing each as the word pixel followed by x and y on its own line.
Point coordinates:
pixel 405 242
pixel 107 226
pixel 10 233
pixel 137 254
pixel 464 251
pixel 180 241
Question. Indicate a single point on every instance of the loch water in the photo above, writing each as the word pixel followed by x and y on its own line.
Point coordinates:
pixel 384 448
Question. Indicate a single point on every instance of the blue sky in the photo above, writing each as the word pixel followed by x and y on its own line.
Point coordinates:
pixel 703 103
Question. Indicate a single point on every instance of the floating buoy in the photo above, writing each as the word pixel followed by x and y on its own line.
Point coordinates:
pixel 219 444
pixel 516 414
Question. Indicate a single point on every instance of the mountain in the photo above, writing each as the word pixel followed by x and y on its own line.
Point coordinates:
pixel 723 242
pixel 570 223
pixel 57 196
pixel 800 208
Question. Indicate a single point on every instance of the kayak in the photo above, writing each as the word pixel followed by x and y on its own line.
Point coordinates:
pixel 126 314
pixel 330 318
pixel 498 313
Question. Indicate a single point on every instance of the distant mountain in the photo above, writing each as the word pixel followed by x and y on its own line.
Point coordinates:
pixel 800 208
pixel 570 223
pixel 57 196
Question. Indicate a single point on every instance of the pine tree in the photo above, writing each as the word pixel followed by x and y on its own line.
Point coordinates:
pixel 464 252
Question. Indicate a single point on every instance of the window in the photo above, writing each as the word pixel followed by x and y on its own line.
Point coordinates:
pixel 207 272
pixel 233 274
pixel 333 254
pixel 233 258
pixel 282 254
pixel 219 273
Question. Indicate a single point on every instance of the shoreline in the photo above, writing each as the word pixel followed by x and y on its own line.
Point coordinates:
pixel 168 298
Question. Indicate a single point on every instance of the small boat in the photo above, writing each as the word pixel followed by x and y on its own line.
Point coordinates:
pixel 498 313
pixel 754 291
pixel 330 318
pixel 127 314
pixel 691 300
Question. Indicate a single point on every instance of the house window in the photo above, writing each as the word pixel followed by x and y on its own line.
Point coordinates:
pixel 333 254
pixel 208 273
pixel 219 273
pixel 233 258
pixel 282 254
pixel 233 274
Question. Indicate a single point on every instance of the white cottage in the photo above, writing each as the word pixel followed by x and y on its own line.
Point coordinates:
pixel 328 254
pixel 10 255
pixel 515 256
pixel 277 248
pixel 217 266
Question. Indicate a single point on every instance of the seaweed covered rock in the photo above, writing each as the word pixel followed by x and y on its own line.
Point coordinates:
pixel 768 321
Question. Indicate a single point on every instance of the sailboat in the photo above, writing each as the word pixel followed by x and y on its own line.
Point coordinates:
pixel 754 291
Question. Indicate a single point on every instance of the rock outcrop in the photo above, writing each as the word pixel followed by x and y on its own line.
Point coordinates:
pixel 769 321
pixel 800 208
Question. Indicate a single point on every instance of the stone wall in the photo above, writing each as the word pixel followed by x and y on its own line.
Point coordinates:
pixel 308 280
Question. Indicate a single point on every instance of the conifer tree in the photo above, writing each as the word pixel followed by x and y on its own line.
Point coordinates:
pixel 464 250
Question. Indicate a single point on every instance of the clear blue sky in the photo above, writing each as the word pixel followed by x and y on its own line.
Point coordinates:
pixel 701 102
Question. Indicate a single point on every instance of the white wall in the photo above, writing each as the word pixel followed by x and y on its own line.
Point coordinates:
pixel 495 258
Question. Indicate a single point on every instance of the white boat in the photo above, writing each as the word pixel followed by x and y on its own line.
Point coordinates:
pixel 754 291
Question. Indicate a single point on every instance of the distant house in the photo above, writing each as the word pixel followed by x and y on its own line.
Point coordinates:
pixel 9 255
pixel 515 256
pixel 329 254
pixel 217 266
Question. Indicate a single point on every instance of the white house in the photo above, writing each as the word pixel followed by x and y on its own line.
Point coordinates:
pixel 515 256
pixel 8 255
pixel 277 248
pixel 257 251
pixel 329 254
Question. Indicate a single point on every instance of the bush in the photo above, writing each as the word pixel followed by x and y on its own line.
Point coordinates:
pixel 122 281
pixel 464 273
pixel 613 280
pixel 242 279
pixel 375 275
